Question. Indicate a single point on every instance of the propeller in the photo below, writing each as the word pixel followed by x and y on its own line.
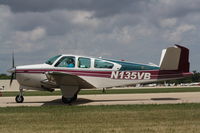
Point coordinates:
pixel 12 70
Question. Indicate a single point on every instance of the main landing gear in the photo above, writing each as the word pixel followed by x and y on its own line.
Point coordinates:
pixel 69 93
pixel 19 98
pixel 69 100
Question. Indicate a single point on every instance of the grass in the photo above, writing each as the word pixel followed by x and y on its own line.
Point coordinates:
pixel 180 118
pixel 110 91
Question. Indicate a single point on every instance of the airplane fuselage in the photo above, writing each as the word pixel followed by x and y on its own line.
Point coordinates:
pixel 71 73
pixel 32 76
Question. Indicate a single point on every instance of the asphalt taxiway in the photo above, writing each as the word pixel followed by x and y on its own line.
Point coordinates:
pixel 107 99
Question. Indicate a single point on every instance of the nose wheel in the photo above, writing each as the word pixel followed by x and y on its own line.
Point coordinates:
pixel 19 98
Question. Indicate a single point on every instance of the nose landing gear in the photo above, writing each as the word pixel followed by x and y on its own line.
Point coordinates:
pixel 19 98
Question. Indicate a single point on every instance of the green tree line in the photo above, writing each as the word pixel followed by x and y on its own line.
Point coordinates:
pixel 5 76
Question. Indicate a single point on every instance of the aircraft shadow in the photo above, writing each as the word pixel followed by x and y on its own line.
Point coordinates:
pixel 82 101
pixel 59 102
pixel 164 99
pixel 134 100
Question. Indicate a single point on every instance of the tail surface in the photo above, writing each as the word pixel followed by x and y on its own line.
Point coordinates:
pixel 175 58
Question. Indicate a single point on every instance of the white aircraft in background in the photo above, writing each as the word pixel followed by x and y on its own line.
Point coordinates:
pixel 71 73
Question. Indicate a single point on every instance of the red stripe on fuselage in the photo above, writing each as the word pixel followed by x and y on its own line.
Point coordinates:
pixel 105 74
pixel 155 74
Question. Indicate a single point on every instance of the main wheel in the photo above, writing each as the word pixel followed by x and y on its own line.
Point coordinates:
pixel 69 100
pixel 66 100
pixel 74 98
pixel 19 99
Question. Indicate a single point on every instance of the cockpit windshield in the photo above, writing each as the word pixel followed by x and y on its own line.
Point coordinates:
pixel 52 60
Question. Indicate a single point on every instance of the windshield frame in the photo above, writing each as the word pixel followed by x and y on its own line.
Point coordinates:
pixel 52 60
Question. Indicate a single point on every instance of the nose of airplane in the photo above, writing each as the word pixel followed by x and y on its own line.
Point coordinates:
pixel 11 70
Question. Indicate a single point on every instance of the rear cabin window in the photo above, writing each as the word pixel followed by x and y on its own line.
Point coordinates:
pixel 67 61
pixel 103 64
pixel 84 62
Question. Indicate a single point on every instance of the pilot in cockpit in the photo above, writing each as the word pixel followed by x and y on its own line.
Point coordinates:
pixel 70 62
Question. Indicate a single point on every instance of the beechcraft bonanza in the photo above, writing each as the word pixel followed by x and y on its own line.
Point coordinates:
pixel 71 73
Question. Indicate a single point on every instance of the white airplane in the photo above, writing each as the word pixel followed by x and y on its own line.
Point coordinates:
pixel 71 73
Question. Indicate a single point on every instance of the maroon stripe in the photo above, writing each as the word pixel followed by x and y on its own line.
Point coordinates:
pixel 105 74
pixel 155 74
pixel 58 70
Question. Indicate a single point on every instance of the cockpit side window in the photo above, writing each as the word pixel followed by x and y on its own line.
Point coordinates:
pixel 103 64
pixel 84 62
pixel 67 61
pixel 52 60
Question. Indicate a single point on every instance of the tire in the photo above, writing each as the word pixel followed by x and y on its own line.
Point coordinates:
pixel 69 100
pixel 74 98
pixel 66 100
pixel 19 99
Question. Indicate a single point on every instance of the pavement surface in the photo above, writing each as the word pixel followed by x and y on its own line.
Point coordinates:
pixel 107 99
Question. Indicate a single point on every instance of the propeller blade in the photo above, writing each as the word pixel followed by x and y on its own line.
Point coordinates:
pixel 13 60
pixel 12 70
pixel 12 77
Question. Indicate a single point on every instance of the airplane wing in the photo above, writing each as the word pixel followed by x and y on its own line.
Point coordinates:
pixel 65 79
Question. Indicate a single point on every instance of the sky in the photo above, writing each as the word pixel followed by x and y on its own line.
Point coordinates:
pixel 132 30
